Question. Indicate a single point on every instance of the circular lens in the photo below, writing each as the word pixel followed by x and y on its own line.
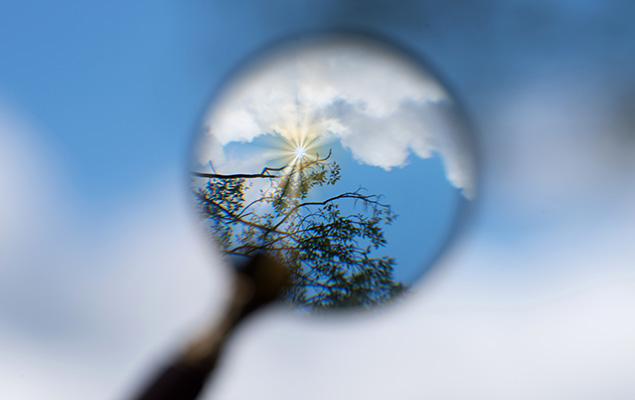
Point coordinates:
pixel 343 157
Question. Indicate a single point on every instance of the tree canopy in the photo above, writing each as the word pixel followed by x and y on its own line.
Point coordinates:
pixel 330 251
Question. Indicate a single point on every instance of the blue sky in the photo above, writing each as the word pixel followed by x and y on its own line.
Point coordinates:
pixel 97 107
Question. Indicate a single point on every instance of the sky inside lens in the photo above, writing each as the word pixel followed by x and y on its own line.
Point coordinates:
pixel 384 118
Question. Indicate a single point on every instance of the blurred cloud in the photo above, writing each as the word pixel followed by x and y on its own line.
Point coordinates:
pixel 23 165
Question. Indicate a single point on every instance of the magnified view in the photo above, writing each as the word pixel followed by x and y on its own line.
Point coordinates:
pixel 341 156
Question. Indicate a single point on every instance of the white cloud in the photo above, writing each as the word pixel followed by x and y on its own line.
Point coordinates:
pixel 382 106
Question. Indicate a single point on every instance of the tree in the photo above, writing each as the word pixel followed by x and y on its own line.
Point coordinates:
pixel 330 253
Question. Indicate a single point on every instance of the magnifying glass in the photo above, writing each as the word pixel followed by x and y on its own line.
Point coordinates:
pixel 331 171
pixel 341 156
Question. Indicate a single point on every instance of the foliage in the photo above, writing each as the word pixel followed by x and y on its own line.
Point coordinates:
pixel 330 253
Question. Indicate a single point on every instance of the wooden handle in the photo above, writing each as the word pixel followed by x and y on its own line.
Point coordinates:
pixel 257 284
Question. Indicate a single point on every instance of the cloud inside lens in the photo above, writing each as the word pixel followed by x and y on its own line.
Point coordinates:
pixel 382 107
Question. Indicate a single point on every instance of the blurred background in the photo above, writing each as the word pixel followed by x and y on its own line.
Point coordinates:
pixel 104 274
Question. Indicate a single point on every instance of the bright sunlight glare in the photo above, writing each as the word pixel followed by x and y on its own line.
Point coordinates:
pixel 300 152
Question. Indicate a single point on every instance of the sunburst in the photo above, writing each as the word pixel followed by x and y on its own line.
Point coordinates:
pixel 300 152
pixel 301 143
pixel 294 148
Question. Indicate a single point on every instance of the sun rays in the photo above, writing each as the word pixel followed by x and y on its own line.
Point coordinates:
pixel 300 141
pixel 295 148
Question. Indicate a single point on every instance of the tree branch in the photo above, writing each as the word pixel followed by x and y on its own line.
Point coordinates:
pixel 347 195
pixel 233 176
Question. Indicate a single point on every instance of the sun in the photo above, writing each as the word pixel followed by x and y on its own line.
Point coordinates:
pixel 296 144
pixel 300 152
pixel 299 145
pixel 289 152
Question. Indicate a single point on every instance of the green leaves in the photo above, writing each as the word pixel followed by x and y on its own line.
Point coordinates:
pixel 331 256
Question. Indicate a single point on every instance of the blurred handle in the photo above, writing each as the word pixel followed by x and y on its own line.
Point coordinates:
pixel 257 285
pixel 178 381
